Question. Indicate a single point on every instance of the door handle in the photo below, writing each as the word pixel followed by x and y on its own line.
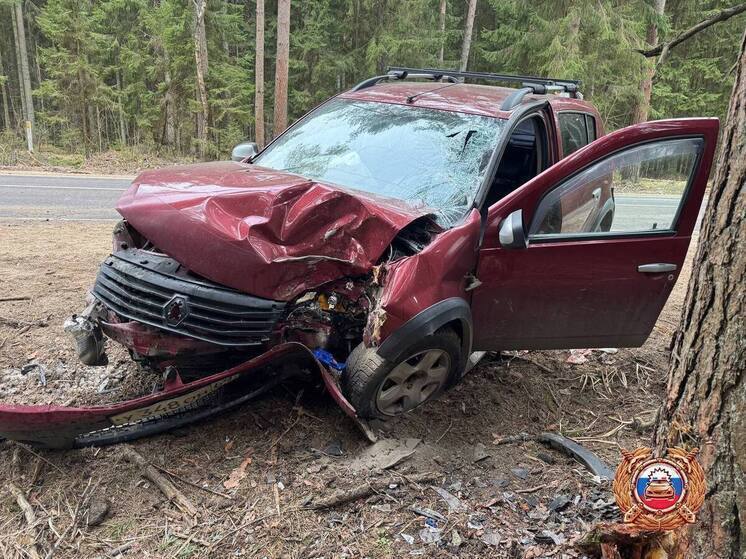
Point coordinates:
pixel 657 268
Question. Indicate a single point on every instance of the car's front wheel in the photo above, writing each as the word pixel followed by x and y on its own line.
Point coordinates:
pixel 378 388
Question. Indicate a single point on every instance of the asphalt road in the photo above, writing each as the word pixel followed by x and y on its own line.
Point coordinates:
pixel 60 197
pixel 93 198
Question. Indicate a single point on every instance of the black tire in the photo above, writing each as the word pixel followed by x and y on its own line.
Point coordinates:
pixel 366 371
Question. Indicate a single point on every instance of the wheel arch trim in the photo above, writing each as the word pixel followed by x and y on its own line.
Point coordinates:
pixel 425 323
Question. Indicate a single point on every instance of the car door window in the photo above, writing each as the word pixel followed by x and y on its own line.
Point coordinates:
pixel 590 126
pixel 637 190
pixel 573 131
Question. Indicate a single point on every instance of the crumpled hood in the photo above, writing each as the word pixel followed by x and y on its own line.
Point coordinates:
pixel 268 233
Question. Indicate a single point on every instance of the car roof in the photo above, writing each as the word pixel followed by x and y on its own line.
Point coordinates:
pixel 484 100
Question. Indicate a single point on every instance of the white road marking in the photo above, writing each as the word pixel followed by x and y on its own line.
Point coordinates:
pixel 62 187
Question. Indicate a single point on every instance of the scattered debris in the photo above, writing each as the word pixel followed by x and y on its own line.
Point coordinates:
pixel 334 448
pixel 582 455
pixel 520 473
pixel 456 539
pixel 491 537
pixel 480 453
pixel 560 503
pixel 407 538
pixel 549 537
pixel 431 534
pixel 385 454
pixel 578 356
pixel 428 513
pixel 454 503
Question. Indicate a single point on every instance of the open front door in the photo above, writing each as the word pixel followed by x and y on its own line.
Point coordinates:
pixel 586 254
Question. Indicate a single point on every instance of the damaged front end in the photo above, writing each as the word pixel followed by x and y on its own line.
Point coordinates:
pixel 228 307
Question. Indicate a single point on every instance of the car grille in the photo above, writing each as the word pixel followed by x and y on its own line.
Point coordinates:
pixel 154 289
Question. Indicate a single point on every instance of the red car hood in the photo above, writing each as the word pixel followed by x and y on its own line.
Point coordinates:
pixel 268 233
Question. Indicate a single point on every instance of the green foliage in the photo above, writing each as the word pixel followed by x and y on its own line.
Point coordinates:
pixel 118 73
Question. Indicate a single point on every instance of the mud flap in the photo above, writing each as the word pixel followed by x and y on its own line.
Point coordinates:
pixel 176 405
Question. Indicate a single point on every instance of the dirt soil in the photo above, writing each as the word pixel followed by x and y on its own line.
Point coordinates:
pixel 252 473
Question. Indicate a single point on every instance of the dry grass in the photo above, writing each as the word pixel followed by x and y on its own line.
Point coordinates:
pixel 288 435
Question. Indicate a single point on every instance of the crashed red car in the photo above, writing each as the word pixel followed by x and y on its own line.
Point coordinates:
pixel 382 241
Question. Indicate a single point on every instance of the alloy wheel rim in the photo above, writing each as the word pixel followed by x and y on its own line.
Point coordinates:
pixel 413 381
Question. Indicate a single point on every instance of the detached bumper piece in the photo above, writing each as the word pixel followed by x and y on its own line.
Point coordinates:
pixel 154 289
pixel 178 404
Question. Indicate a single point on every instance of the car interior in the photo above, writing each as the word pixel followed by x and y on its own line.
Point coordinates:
pixel 525 157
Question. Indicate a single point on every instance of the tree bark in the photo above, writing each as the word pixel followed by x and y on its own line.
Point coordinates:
pixel 442 26
pixel 468 29
pixel 281 66
pixel 4 92
pixel 642 109
pixel 706 397
pixel 25 75
pixel 200 57
pixel 259 76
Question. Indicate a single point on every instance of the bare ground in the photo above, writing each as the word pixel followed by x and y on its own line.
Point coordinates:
pixel 295 445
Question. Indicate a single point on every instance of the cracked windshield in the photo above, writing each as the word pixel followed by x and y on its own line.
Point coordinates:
pixel 426 157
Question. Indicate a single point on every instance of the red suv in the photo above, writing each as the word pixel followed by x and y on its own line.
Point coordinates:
pixel 386 237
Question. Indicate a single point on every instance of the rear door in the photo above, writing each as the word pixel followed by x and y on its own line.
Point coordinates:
pixel 595 281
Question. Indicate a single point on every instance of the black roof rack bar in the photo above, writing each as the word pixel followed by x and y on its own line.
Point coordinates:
pixel 397 74
pixel 492 77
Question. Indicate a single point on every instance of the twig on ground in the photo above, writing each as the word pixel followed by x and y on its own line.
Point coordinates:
pixel 195 485
pixel 519 438
pixel 342 496
pixel 9 299
pixel 30 516
pixel 13 323
pixel 82 503
pixel 531 489
pixel 39 456
pixel 445 432
pixel 166 487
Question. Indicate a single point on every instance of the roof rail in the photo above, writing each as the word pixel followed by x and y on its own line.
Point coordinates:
pixel 402 74
pixel 530 84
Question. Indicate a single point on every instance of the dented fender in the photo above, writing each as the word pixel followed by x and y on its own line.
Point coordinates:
pixel 423 292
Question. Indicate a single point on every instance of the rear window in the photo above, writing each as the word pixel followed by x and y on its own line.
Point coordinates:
pixel 577 130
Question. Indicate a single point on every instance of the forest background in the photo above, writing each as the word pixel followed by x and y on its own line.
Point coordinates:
pixel 188 79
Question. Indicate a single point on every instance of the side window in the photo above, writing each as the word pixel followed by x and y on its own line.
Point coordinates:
pixel 590 126
pixel 639 189
pixel 573 132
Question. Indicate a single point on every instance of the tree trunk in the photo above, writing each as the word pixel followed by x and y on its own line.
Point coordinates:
pixel 642 109
pixel 281 67
pixel 122 123
pixel 200 57
pixel 259 76
pixel 169 132
pixel 4 92
pixel 706 396
pixel 25 76
pixel 21 95
pixel 442 26
pixel 466 47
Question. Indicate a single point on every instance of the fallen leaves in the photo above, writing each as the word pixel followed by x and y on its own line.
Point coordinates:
pixel 235 477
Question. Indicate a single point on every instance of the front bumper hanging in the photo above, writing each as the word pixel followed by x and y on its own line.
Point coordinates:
pixel 176 405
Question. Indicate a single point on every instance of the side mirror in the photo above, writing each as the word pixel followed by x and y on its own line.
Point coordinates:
pixel 511 233
pixel 244 150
